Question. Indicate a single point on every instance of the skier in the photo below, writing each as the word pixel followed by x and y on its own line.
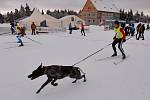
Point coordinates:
pixel 82 30
pixel 21 33
pixel 33 28
pixel 12 24
pixel 119 38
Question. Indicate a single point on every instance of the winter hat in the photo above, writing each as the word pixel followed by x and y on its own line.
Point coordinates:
pixel 116 22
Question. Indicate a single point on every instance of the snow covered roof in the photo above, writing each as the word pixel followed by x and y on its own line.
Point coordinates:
pixel 50 18
pixel 37 17
pixel 102 5
pixel 69 16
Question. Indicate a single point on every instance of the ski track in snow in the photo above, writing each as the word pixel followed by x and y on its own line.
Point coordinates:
pixel 130 80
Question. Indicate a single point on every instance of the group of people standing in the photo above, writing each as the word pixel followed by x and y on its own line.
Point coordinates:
pixel 140 31
pixel 72 26
pixel 130 30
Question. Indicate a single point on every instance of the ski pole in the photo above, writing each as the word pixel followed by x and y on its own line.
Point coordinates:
pixel 33 40
pixel 95 53
pixel 4 33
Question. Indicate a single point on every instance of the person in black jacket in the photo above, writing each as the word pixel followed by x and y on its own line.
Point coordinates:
pixel 12 24
pixel 142 31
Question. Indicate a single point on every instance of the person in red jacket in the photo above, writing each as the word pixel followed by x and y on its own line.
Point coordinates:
pixel 119 38
pixel 82 30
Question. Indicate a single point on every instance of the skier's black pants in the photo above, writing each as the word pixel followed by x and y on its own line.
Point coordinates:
pixel 12 30
pixel 33 32
pixel 70 31
pixel 119 42
pixel 141 34
pixel 82 32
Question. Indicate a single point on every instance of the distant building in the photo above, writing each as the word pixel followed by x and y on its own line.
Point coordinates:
pixel 95 12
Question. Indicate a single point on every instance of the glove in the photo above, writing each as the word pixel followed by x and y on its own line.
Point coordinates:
pixel 124 40
pixel 114 38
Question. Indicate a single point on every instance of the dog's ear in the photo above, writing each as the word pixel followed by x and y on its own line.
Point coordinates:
pixel 40 66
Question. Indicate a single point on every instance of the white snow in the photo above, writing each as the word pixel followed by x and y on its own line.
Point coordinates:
pixel 4 28
pixel 130 80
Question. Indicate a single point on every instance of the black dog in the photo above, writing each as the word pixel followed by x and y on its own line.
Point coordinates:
pixel 55 72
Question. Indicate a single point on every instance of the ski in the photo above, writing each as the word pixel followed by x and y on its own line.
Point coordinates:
pixel 11 47
pixel 108 58
pixel 14 42
pixel 120 61
pixel 15 47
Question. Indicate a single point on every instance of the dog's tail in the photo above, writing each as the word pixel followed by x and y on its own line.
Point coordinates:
pixel 81 71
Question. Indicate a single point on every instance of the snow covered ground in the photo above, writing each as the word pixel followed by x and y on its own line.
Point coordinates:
pixel 4 28
pixel 130 80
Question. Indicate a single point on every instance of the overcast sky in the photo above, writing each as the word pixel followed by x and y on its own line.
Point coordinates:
pixel 7 5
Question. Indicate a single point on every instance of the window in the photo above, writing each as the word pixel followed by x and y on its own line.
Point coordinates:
pixel 89 21
pixel 93 14
pixel 93 21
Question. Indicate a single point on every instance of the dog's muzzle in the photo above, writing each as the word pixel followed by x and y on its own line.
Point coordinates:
pixel 30 76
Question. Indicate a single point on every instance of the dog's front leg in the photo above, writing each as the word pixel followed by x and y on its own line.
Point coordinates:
pixel 75 81
pixel 47 82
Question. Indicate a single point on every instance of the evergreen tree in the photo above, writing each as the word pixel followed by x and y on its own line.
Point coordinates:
pixel 42 12
pixel 137 16
pixel 60 13
pixel 10 17
pixel 16 14
pixel 1 18
pixel 22 12
pixel 130 15
pixel 48 12
pixel 28 11
pixel 142 14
